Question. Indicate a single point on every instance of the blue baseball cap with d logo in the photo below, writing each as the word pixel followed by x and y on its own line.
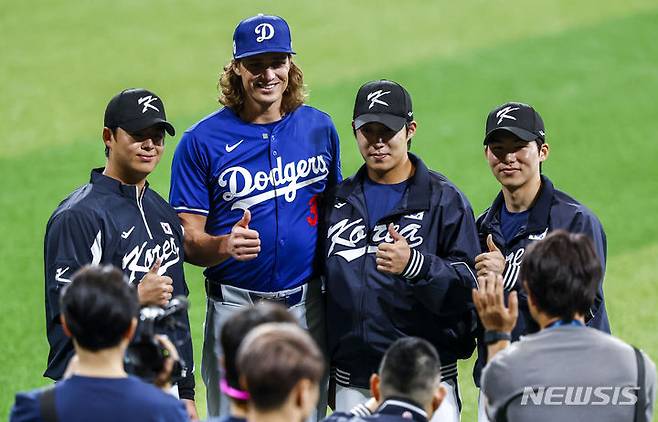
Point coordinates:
pixel 261 34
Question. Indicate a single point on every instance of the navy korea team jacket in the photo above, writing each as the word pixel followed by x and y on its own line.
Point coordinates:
pixel 107 222
pixel 368 310
pixel 552 210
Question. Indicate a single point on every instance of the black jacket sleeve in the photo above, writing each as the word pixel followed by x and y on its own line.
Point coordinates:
pixel 187 384
pixel 182 334
pixel 73 239
pixel 452 264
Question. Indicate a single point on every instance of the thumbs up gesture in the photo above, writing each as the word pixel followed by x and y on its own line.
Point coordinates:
pixel 243 242
pixel 154 289
pixel 490 263
pixel 393 257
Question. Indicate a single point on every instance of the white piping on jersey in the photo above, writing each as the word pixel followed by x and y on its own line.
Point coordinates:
pixel 475 279
pixel 191 209
pixel 342 375
pixel 141 209
pixel 416 264
pixel 96 250
pixel 449 371
pixel 343 378
pixel 342 371
pixel 361 410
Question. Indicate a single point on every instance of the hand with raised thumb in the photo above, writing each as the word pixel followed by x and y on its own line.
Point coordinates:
pixel 491 245
pixel 244 221
pixel 491 262
pixel 393 257
pixel 154 289
pixel 397 237
pixel 243 242
pixel 155 267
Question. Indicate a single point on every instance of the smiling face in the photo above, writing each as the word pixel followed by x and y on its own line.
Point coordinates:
pixel 513 161
pixel 385 151
pixel 134 156
pixel 264 79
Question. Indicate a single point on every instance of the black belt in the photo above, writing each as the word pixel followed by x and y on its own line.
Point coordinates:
pixel 214 292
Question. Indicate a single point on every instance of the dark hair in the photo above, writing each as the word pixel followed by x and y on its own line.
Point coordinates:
pixel 231 91
pixel 114 133
pixel 410 369
pixel 539 143
pixel 238 326
pixel 98 306
pixel 406 126
pixel 273 358
pixel 562 273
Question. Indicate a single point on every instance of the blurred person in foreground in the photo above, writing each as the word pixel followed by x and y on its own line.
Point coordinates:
pixel 233 332
pixel 99 312
pixel 407 386
pixel 566 371
pixel 281 367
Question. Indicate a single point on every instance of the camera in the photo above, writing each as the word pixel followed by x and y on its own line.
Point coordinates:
pixel 145 356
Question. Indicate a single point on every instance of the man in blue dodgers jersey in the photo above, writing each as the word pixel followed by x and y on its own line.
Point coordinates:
pixel 246 182
pixel 399 250
pixel 117 219
pixel 527 208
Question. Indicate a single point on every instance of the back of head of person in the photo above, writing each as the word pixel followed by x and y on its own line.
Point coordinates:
pixel 232 335
pixel 281 367
pixel 410 370
pixel 99 309
pixel 563 372
pixel 561 274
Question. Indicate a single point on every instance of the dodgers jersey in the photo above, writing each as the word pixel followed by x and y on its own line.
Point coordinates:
pixel 224 165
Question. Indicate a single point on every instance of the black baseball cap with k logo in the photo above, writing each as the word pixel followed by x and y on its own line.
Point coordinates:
pixel 135 109
pixel 385 102
pixel 518 118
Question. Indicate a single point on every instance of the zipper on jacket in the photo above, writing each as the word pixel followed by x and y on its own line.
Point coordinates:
pixel 139 197
pixel 362 313
pixel 364 290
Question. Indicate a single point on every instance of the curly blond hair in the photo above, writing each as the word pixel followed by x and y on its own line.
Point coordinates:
pixel 231 92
